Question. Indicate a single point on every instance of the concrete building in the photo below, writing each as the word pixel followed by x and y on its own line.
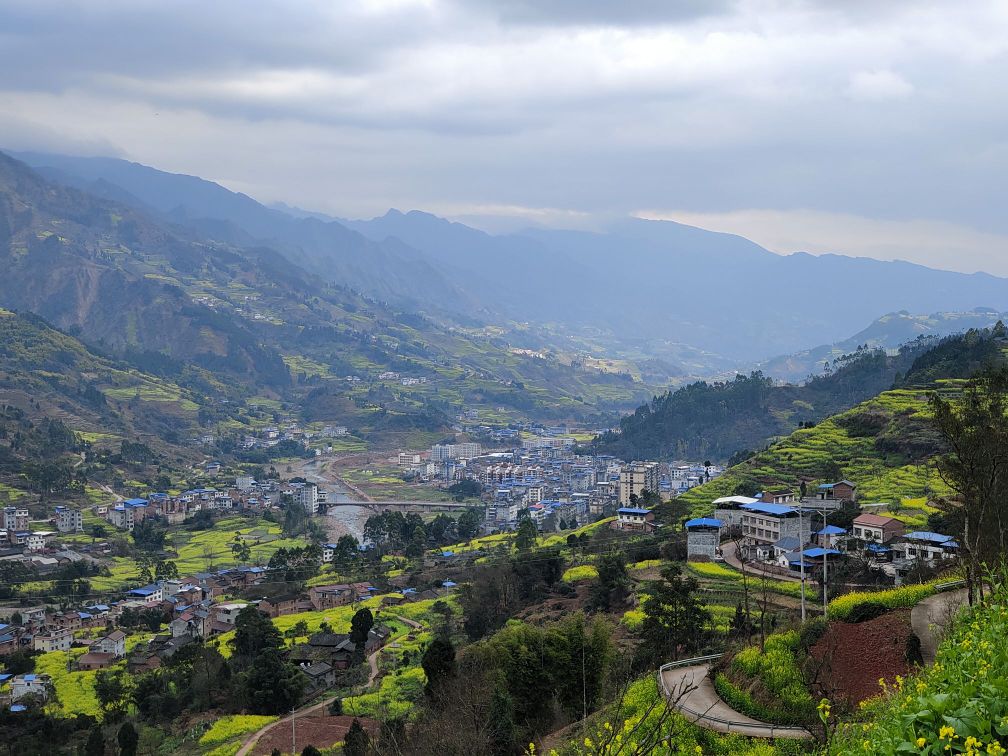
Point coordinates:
pixel 729 510
pixel 54 640
pixel 634 518
pixel 925 546
pixel 703 538
pixel 637 477
pixel 767 523
pixel 69 520
pixel 307 498
pixel 25 685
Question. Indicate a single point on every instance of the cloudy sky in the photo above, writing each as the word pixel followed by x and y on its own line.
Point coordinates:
pixel 870 128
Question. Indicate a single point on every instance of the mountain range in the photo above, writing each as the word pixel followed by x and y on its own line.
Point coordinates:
pixel 697 301
pixel 212 330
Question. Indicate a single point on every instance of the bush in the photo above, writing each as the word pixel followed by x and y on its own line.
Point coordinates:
pixel 903 597
pixel 866 610
pixel 810 633
pixel 776 670
pixel 582 572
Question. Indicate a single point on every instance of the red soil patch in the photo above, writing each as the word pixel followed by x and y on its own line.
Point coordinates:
pixel 856 656
pixel 321 732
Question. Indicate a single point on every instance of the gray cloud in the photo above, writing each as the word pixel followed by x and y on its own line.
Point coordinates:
pixel 562 111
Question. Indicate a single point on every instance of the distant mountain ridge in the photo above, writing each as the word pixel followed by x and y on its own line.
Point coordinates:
pixel 638 290
pixel 887 332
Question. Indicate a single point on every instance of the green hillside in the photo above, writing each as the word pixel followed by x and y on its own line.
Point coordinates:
pixel 718 420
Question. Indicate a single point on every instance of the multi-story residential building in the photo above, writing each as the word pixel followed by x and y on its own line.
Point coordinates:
pixel 15 519
pixel 636 478
pixel 114 643
pixel 128 513
pixel 325 597
pixel 31 684
pixel 634 518
pixel 69 520
pixel 307 498
pixel 445 452
pixel 764 523
pixel 53 640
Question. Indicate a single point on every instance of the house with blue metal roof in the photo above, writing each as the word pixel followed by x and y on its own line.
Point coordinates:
pixel 634 518
pixel 703 538
pixel 764 524
pixel 925 546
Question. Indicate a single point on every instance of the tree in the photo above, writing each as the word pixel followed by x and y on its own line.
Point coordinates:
pixel 675 620
pixel 469 523
pixel 610 590
pixel 438 661
pixel 527 535
pixel 975 429
pixel 95 745
pixel 465 489
pixel 241 550
pixel 98 531
pixel 356 742
pixel 254 634
pixel 127 738
pixel 112 689
pixel 165 570
pixel 360 626
pixel 271 685
pixel 310 750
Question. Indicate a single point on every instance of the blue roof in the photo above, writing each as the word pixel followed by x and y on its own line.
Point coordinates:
pixel 633 510
pixel 818 551
pixel 878 548
pixel 5 677
pixel 448 584
pixel 927 535
pixel 447 553
pixel 771 509
pixel 135 502
pixel 831 530
pixel 30 678
pixel 146 590
pixel 19 708
pixel 703 522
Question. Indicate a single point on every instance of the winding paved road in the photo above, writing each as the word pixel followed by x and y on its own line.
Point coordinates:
pixel 929 618
pixel 692 693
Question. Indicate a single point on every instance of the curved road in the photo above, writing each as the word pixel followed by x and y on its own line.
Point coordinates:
pixel 693 694
pixel 929 618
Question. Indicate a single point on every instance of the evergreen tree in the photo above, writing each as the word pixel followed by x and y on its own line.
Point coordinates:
pixel 438 661
pixel 127 738
pixel 95 745
pixel 356 742
pixel 675 620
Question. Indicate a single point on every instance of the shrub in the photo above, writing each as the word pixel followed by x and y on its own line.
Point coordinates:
pixel 810 633
pixel 866 610
pixel 905 596
pixel 582 572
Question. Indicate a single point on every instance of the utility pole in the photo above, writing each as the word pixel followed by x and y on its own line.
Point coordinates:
pixel 825 556
pixel 293 735
pixel 801 558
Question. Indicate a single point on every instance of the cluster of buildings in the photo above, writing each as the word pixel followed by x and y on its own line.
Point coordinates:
pixel 787 533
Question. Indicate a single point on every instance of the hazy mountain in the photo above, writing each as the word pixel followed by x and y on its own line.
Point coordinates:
pixel 887 332
pixel 231 321
pixel 639 289
pixel 388 271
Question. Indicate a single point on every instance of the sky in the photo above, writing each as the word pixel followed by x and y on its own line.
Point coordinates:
pixel 866 128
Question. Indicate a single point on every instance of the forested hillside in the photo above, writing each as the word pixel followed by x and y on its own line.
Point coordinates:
pixel 717 420
pixel 885 444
